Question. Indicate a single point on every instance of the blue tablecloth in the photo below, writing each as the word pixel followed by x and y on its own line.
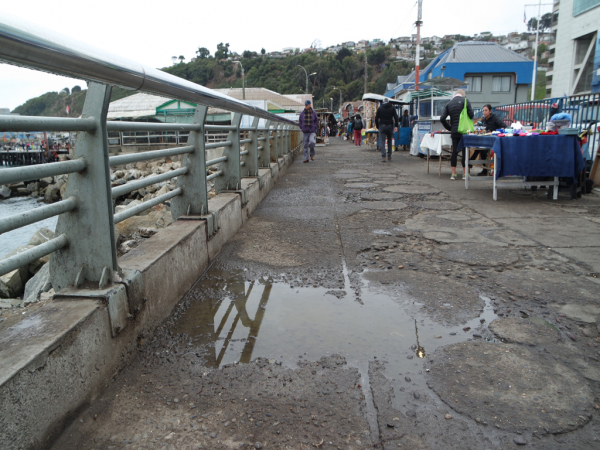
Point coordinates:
pixel 402 136
pixel 476 141
pixel 538 156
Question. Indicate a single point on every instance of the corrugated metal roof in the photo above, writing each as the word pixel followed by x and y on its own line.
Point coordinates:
pixel 137 105
pixel 263 94
pixel 475 52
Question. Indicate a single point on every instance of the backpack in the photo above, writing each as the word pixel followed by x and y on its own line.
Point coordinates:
pixel 358 125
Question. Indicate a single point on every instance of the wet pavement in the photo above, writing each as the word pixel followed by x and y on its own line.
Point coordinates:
pixel 372 305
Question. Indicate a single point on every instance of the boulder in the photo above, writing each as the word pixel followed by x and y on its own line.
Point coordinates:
pixel 38 284
pixel 22 192
pixel 10 303
pixel 133 174
pixel 5 192
pixel 155 219
pixel 45 182
pixel 33 187
pixel 11 284
pixel 63 190
pixel 52 193
pixel 35 266
pixel 41 236
pixel 163 190
pixel 119 173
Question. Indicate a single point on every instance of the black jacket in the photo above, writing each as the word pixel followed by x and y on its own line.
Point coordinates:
pixel 493 123
pixel 405 122
pixel 386 115
pixel 453 109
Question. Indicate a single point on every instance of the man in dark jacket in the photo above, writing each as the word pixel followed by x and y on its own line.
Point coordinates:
pixel 308 122
pixel 491 122
pixel 386 121
pixel 453 109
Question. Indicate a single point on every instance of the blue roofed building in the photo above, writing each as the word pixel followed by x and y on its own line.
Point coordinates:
pixel 493 74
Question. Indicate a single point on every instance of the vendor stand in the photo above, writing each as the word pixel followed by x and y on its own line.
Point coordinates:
pixel 326 118
pixel 517 158
pixel 400 137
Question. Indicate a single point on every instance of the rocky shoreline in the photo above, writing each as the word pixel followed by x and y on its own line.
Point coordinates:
pixel 28 284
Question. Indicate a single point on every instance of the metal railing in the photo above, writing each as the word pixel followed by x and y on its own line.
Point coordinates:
pixel 584 111
pixel 84 248
pixel 154 138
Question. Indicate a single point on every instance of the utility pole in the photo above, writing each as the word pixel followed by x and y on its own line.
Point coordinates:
pixel 331 108
pixel 366 71
pixel 243 80
pixel 537 40
pixel 418 52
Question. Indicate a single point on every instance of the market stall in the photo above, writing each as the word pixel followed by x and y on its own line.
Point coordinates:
pixel 517 159
pixel 401 137
pixel 327 125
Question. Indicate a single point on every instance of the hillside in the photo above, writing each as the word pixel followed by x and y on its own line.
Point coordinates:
pixel 344 70
pixel 54 104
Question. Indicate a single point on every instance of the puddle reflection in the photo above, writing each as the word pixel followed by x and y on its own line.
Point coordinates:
pixel 232 320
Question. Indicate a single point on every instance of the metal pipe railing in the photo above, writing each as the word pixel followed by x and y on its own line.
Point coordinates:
pixel 86 236
pixel 35 215
pixel 28 256
pixel 119 217
pixel 147 156
pixel 139 184
pixel 28 173
pixel 29 45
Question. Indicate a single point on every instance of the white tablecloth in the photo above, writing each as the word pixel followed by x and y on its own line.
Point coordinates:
pixel 434 143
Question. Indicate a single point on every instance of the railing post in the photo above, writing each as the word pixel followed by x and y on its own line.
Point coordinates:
pixel 194 199
pixel 275 146
pixel 250 168
pixel 264 156
pixel 231 179
pixel 91 253
pixel 288 142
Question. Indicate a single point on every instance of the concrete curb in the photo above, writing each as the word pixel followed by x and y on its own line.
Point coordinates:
pixel 59 359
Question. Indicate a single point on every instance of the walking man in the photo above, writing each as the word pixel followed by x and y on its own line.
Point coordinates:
pixel 358 126
pixel 308 124
pixel 386 121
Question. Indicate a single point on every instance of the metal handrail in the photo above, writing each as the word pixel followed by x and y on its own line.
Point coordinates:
pixel 29 45
pixel 18 174
pixel 147 156
pixel 139 184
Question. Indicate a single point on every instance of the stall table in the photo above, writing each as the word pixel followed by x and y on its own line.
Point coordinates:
pixel 436 144
pixel 478 143
pixel 534 156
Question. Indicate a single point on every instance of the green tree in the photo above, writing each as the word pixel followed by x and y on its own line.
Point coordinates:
pixel 222 51
pixel 75 89
pixel 181 59
pixel 344 52
pixel 203 52
pixel 263 51
pixel 65 91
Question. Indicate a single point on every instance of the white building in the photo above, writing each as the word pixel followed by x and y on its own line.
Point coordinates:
pixel 574 68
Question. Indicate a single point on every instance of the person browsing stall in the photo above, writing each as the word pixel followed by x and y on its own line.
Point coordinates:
pixel 491 122
pixel 453 109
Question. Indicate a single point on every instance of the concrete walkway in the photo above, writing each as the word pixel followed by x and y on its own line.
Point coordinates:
pixel 372 305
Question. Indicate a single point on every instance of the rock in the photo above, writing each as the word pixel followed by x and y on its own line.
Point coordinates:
pixel 466 328
pixel 416 395
pixel 147 232
pixel 41 236
pixel 391 425
pixel 33 187
pixel 570 336
pixel 586 333
pixel 22 192
pixel 7 303
pixel 155 219
pixel 407 379
pixel 411 413
pixel 409 357
pixel 213 435
pixel 11 284
pixel 133 174
pixel 118 182
pixel 163 190
pixel 520 441
pixel 52 193
pixel 258 445
pixel 5 192
pixel 400 267
pixel 45 182
pixel 35 266
pixel 119 174
pixel 448 416
pixel 38 284
pixel 121 208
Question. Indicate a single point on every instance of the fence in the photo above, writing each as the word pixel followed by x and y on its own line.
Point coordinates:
pixel 148 138
pixel 84 247
pixel 584 110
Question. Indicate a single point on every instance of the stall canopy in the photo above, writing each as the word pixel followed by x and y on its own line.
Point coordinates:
pixel 428 93
pixel 379 98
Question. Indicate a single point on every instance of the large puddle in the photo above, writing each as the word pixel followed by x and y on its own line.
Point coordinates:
pixel 232 320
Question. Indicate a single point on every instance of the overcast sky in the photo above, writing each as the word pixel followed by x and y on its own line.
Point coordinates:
pixel 151 32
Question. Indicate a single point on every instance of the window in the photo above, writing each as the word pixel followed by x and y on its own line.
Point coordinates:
pixel 473 84
pixel 501 84
pixel 581 6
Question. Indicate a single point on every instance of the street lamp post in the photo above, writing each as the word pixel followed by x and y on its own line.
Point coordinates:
pixel 333 89
pixel 307 75
pixel 331 108
pixel 243 79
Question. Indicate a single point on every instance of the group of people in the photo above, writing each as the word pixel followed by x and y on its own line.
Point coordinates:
pixel 387 121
